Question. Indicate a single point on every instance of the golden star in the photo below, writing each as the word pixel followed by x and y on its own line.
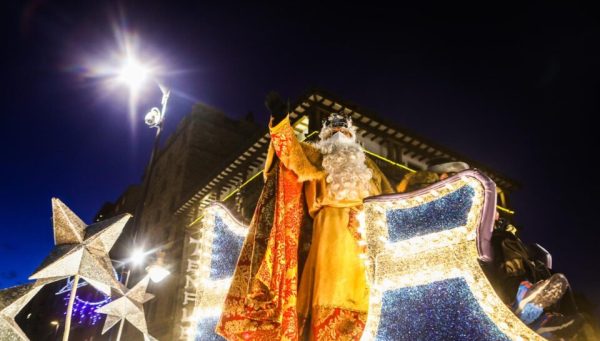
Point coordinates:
pixel 82 250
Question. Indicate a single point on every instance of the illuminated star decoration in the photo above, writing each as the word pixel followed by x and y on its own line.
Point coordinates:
pixel 82 250
pixel 12 300
pixel 424 250
pixel 129 307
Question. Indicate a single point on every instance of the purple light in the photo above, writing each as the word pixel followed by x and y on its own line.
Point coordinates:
pixel 85 311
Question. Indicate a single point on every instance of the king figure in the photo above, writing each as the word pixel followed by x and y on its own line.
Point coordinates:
pixel 305 219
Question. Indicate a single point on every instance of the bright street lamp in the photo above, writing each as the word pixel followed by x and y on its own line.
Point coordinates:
pixel 138 256
pixel 57 325
pixel 133 73
pixel 157 273
pixel 157 270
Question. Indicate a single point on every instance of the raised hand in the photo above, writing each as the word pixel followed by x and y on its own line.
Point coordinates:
pixel 276 106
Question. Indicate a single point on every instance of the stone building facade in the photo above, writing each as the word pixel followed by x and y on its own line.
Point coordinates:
pixel 202 143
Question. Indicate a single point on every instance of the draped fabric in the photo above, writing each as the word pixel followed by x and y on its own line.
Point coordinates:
pixel 261 303
pixel 269 298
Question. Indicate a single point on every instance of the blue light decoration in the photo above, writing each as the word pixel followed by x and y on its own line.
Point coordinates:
pixel 206 329
pixel 441 310
pixel 220 247
pixel 226 248
pixel 431 217
pixel 84 310
pixel 423 256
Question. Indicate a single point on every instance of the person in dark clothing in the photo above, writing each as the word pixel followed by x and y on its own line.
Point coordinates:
pixel 438 169
pixel 542 299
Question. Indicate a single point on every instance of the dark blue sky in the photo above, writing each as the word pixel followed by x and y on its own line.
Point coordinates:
pixel 515 87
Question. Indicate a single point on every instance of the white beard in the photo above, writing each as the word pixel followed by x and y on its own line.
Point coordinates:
pixel 348 177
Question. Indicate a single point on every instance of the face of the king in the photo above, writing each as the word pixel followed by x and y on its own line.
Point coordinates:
pixel 332 131
pixel 337 123
pixel 348 176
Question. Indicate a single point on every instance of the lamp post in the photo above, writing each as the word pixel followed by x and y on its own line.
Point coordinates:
pixel 155 118
pixel 134 74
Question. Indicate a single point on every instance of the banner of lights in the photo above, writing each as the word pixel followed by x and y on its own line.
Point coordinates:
pixel 211 263
pixel 84 310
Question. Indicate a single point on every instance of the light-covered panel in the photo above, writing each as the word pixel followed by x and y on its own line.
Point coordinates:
pixel 218 249
pixel 423 258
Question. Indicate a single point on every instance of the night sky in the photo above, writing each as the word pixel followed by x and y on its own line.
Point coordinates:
pixel 514 87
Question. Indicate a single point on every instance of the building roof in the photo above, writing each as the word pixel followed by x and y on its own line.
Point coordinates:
pixel 370 126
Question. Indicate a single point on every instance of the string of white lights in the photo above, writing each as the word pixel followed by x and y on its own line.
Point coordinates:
pixel 210 276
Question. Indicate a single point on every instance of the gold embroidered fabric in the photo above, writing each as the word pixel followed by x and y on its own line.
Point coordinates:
pixel 332 323
pixel 268 297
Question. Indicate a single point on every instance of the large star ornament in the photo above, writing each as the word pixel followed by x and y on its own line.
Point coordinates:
pixel 129 307
pixel 12 301
pixel 82 250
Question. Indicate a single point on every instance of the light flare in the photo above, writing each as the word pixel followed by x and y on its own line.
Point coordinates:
pixel 133 73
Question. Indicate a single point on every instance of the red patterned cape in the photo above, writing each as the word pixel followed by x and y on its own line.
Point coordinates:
pixel 261 303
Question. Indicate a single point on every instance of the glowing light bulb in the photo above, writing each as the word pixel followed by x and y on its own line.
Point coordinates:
pixel 133 73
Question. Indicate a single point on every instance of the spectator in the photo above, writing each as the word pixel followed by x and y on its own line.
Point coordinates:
pixel 438 169
pixel 541 299
pixel 446 168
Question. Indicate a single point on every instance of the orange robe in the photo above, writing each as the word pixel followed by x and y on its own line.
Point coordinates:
pixel 331 301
